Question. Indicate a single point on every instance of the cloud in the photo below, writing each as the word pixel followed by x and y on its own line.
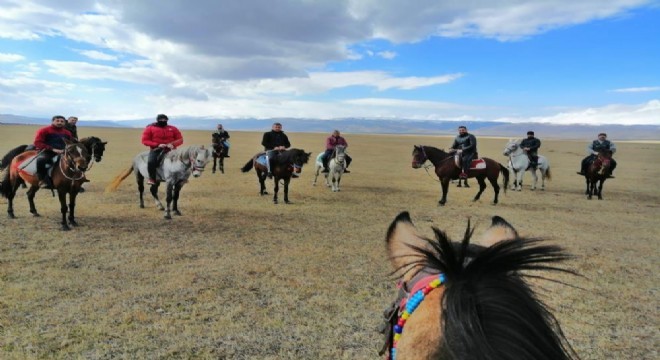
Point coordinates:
pixel 638 89
pixel 97 55
pixel 6 57
pixel 644 114
pixel 387 54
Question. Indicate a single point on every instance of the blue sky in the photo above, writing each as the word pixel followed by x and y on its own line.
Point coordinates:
pixel 552 61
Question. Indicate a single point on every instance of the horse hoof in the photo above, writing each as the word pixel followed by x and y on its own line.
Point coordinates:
pixel 167 217
pixel 177 213
pixel 275 202
pixel 141 206
pixel 288 202
pixel 11 216
pixel 65 228
pixel 73 223
pixel 36 214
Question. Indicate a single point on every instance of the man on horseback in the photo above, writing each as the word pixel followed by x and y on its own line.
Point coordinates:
pixel 531 145
pixel 273 142
pixel 598 145
pixel 330 143
pixel 50 141
pixel 71 126
pixel 160 138
pixel 465 144
pixel 220 136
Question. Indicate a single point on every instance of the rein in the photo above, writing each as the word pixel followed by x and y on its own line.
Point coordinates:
pixel 70 166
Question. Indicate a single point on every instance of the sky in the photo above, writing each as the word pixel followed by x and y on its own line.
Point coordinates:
pixel 551 61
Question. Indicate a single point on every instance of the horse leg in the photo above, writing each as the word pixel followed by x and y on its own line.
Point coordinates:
pixel 63 209
pixel 286 191
pixel 154 193
pixel 590 188
pixel 175 200
pixel 316 176
pixel 10 199
pixel 444 185
pixel 496 188
pixel 600 189
pixel 168 197
pixel 276 189
pixel 482 187
pixel 519 179
pixel 338 180
pixel 72 207
pixel 262 182
pixel 221 163
pixel 535 178
pixel 32 191
pixel 140 183
pixel 214 161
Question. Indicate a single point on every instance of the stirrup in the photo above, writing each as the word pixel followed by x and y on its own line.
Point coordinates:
pixel 462 175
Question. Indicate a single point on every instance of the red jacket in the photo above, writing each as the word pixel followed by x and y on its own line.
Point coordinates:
pixel 155 135
pixel 51 137
pixel 332 141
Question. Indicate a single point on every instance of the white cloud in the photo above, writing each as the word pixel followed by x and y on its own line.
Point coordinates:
pixel 97 55
pixel 6 57
pixel 638 89
pixel 387 54
pixel 644 114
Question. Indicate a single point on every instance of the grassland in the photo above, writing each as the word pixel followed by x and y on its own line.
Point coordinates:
pixel 237 277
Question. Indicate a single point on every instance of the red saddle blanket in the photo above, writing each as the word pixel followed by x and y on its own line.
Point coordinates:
pixel 476 164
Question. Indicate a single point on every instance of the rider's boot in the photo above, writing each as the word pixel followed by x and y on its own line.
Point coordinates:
pixel 325 166
pixel 270 174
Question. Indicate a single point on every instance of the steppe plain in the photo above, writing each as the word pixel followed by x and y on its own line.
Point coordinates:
pixel 237 277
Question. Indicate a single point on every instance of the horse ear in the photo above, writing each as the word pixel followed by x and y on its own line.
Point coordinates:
pixel 104 143
pixel 309 153
pixel 68 142
pixel 402 239
pixel 499 230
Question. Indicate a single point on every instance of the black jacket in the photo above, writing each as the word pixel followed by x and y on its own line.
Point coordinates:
pixel 533 144
pixel 467 143
pixel 272 139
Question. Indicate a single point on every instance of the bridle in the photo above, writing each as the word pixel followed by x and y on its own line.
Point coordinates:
pixel 193 161
pixel 71 165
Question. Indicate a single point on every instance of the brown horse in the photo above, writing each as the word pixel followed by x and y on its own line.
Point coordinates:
pixel 466 301
pixel 283 166
pixel 597 173
pixel 68 174
pixel 219 154
pixel 446 170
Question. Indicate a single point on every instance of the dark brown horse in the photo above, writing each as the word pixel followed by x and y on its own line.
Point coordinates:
pixel 68 175
pixel 597 173
pixel 446 169
pixel 219 154
pixel 283 166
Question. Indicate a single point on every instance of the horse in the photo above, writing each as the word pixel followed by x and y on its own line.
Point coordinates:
pixel 459 300
pixel 597 173
pixel 68 174
pixel 95 148
pixel 219 154
pixel 447 169
pixel 175 169
pixel 336 167
pixel 283 167
pixel 519 163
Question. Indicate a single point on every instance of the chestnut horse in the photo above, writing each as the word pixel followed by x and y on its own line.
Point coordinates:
pixel 68 174
pixel 219 154
pixel 597 173
pixel 466 301
pixel 447 170
pixel 283 166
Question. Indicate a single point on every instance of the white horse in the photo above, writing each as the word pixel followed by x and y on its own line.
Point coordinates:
pixel 175 169
pixel 519 163
pixel 336 167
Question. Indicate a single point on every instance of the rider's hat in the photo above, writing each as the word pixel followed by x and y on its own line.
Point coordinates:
pixel 603 134
pixel 161 117
pixel 530 132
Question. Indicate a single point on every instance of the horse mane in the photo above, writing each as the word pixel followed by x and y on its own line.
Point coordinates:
pixel 431 151
pixel 489 310
pixel 6 160
pixel 288 156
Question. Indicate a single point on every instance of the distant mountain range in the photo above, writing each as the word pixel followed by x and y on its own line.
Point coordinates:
pixel 380 126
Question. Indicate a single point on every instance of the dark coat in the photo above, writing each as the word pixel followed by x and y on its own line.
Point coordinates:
pixel 272 139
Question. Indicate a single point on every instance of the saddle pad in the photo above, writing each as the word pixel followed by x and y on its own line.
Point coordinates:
pixel 261 159
pixel 477 164
pixel 29 165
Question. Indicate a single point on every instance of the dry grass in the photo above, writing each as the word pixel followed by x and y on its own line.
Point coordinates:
pixel 238 277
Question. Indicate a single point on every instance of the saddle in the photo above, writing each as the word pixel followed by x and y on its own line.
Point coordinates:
pixel 29 165
pixel 475 164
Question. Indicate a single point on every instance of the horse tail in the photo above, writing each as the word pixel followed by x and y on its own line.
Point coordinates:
pixel 6 160
pixel 489 308
pixel 5 185
pixel 248 166
pixel 505 173
pixel 118 179
pixel 548 175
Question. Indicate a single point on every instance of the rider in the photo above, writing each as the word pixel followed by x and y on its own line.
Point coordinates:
pixel 593 149
pixel 465 145
pixel 531 145
pixel 71 126
pixel 221 135
pixel 50 141
pixel 330 143
pixel 273 142
pixel 161 138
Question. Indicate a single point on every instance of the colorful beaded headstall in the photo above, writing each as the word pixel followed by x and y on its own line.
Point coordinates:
pixel 411 305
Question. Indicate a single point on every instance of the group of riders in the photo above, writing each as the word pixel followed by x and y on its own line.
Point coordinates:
pixel 161 138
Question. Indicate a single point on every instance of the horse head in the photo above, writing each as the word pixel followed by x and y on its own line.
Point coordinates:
pixel 456 299
pixel 511 147
pixel 340 154
pixel 95 147
pixel 199 157
pixel 419 156
pixel 297 158
pixel 75 156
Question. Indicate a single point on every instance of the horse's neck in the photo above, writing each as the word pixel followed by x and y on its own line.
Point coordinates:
pixel 435 155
